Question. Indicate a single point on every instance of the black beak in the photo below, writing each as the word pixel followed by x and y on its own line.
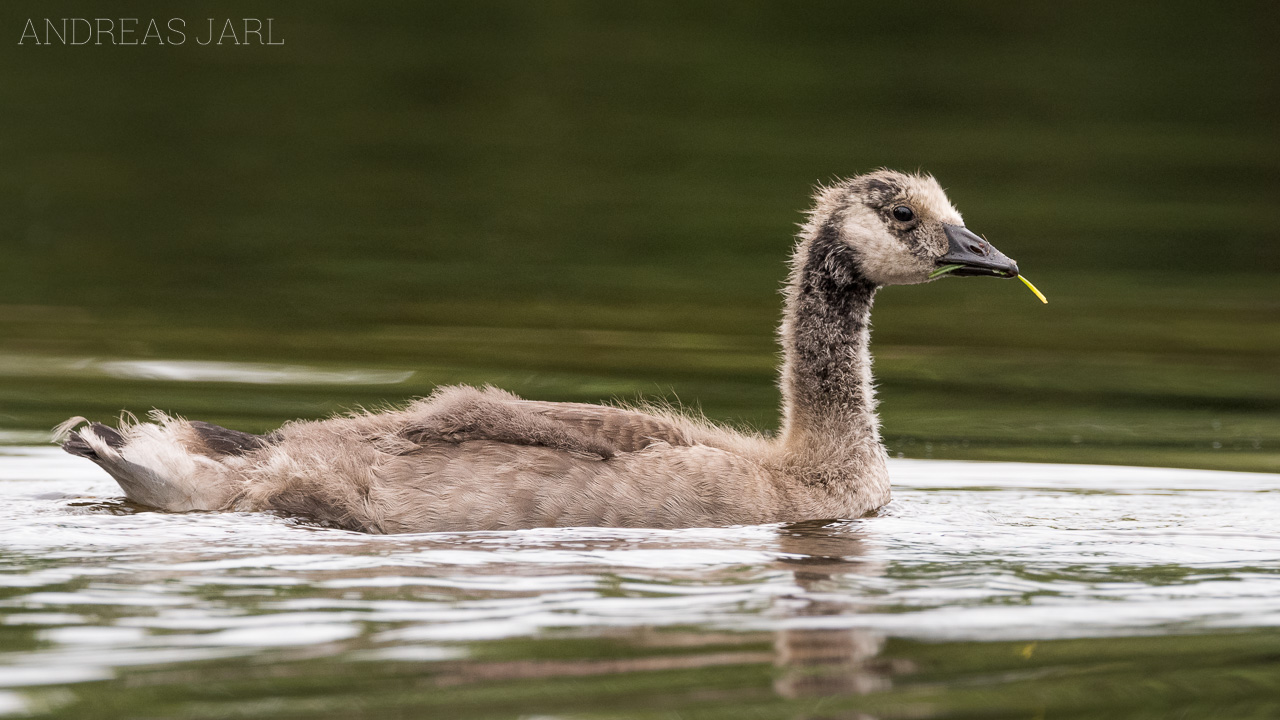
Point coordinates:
pixel 975 255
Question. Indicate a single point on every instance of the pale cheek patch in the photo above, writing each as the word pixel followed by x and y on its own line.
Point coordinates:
pixel 885 260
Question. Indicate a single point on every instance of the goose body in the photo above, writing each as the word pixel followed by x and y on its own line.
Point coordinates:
pixel 483 459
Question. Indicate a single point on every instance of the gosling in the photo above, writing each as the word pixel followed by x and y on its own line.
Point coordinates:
pixel 483 459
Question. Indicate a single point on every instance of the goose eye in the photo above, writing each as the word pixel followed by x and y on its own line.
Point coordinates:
pixel 902 213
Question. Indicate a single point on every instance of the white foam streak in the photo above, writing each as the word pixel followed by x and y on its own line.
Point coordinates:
pixel 210 371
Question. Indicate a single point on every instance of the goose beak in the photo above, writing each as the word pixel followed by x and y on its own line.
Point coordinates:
pixel 975 255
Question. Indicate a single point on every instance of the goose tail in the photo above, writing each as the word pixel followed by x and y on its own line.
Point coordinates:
pixel 154 463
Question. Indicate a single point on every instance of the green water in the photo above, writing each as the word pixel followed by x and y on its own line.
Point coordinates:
pixel 589 201
pixel 583 202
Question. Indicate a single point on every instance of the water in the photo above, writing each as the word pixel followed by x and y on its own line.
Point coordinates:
pixel 1032 588
pixel 585 202
pixel 582 201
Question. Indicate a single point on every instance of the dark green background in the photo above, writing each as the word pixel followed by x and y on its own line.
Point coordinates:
pixel 581 201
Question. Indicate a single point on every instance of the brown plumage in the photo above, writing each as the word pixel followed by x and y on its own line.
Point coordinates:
pixel 483 459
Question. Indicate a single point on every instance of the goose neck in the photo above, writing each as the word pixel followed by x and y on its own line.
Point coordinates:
pixel 828 398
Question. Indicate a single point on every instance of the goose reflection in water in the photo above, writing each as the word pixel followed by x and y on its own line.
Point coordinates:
pixel 815 660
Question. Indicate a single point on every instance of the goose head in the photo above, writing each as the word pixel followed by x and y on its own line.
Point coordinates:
pixel 903 230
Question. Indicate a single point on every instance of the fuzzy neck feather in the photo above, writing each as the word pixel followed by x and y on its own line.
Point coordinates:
pixel 829 424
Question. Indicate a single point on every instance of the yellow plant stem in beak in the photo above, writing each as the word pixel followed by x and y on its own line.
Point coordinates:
pixel 1033 289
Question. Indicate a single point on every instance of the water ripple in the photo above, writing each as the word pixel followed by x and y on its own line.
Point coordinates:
pixel 977 551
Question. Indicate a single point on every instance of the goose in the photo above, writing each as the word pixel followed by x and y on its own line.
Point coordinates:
pixel 467 458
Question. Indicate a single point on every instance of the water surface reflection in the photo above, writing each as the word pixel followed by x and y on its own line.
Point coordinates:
pixel 818 661
pixel 1005 574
